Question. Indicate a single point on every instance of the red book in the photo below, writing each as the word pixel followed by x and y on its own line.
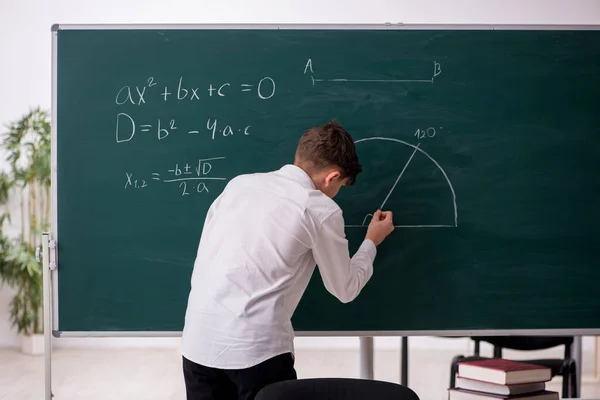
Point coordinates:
pixel 503 372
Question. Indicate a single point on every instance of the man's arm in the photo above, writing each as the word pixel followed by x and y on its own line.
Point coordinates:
pixel 343 276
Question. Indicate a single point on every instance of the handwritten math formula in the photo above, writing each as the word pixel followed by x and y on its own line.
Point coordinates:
pixel 127 128
pixel 190 178
pixel 264 88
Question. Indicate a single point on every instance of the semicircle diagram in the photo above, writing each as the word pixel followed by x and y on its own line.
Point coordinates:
pixel 403 178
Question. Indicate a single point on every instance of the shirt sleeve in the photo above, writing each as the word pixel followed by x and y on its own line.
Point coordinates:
pixel 343 277
pixel 209 216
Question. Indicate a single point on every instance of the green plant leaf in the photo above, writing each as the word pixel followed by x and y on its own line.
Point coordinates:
pixel 27 143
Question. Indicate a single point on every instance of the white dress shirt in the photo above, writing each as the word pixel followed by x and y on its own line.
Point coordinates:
pixel 261 240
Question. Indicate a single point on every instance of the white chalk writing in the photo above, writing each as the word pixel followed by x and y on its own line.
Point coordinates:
pixel 191 178
pixel 197 91
pixel 227 130
pixel 425 133
pixel 126 128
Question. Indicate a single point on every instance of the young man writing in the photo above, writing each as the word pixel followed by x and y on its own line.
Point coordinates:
pixel 261 240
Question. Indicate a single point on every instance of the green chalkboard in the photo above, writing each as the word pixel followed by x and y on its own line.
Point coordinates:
pixel 484 143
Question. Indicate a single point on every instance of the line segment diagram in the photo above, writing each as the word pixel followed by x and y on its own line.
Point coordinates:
pixel 416 149
pixel 437 69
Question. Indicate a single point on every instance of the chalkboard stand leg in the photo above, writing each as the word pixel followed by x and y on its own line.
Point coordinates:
pixel 47 285
pixel 578 356
pixel 366 357
pixel 404 362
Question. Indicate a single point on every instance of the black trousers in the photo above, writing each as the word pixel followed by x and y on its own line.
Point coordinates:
pixel 206 383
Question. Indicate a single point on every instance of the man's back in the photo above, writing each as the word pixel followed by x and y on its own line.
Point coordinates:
pixel 261 240
pixel 253 264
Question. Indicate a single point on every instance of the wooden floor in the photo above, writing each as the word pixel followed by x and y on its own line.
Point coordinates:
pixel 80 374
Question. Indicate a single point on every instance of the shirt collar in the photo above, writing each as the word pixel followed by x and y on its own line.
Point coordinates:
pixel 298 174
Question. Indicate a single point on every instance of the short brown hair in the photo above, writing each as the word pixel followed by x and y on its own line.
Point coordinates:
pixel 329 145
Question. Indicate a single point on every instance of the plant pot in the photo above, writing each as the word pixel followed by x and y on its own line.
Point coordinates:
pixel 32 345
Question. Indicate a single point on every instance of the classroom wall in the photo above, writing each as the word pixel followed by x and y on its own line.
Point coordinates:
pixel 26 56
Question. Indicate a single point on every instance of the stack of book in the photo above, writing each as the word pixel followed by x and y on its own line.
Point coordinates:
pixel 500 379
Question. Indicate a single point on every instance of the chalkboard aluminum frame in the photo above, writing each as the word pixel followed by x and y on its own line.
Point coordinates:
pixel 51 283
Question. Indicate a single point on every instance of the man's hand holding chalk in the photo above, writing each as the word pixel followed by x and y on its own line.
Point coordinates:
pixel 380 227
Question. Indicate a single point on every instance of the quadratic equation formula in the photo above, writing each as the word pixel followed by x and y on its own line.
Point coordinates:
pixel 137 95
pixel 193 178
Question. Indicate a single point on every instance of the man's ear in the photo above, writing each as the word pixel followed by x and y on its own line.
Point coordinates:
pixel 332 176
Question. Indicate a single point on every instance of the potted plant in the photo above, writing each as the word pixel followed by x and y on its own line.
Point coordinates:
pixel 27 145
